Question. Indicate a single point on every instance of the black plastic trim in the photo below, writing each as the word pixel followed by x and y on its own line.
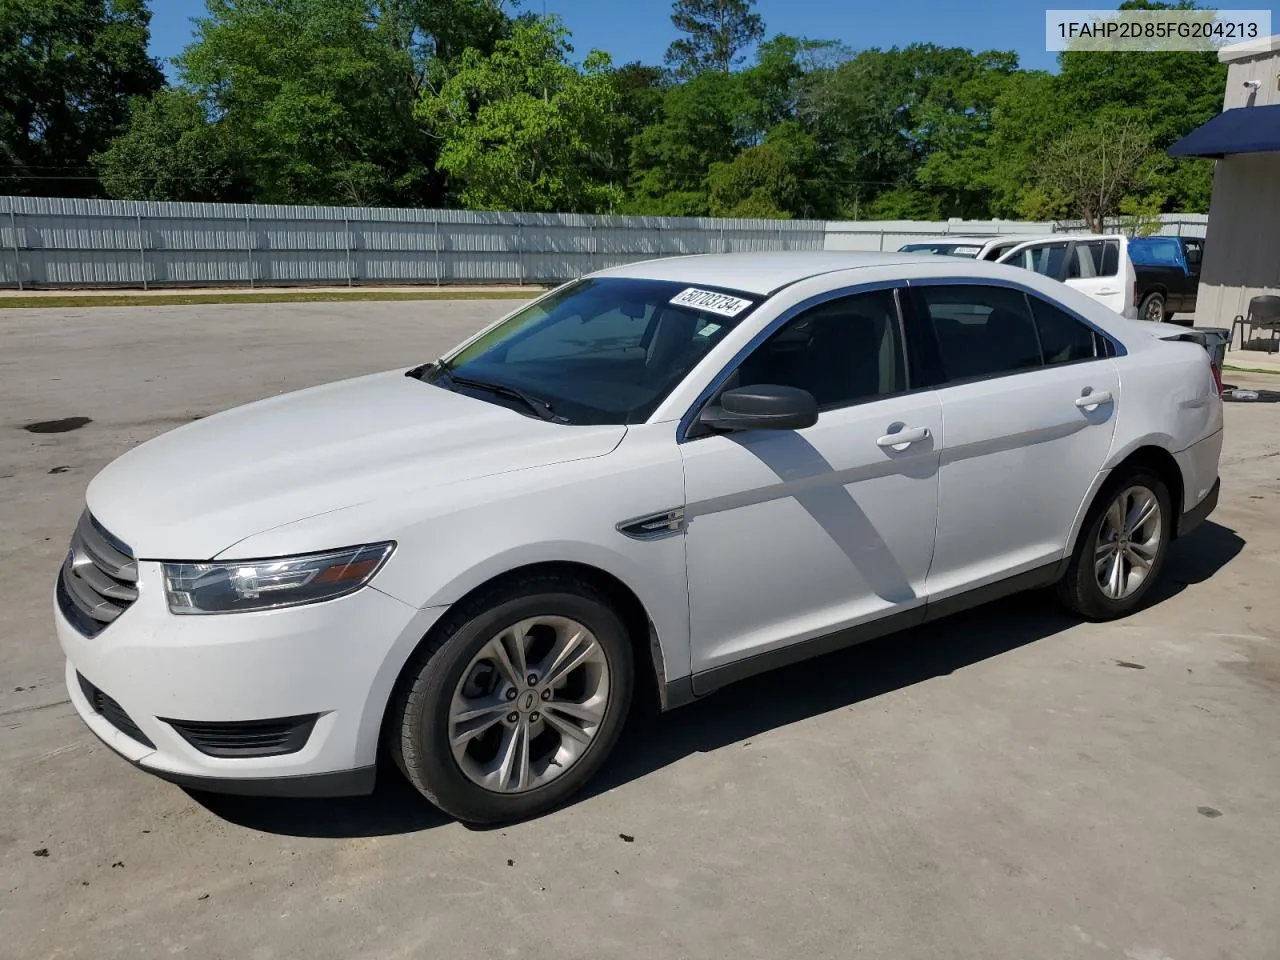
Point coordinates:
pixel 247 738
pixel 106 707
pixel 708 681
pixel 1197 515
pixel 340 783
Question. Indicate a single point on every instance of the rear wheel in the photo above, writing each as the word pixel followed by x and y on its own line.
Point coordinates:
pixel 1122 547
pixel 1152 308
pixel 516 702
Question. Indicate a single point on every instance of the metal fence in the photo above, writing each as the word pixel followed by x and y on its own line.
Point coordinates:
pixel 104 243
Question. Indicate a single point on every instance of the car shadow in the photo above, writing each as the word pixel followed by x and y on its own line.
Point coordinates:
pixel 748 708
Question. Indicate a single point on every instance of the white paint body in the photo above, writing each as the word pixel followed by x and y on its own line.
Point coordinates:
pixel 778 546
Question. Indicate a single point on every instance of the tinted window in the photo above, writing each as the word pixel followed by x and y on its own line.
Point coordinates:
pixel 1090 258
pixel 1063 338
pixel 605 350
pixel 842 351
pixel 980 331
pixel 1110 258
pixel 1046 259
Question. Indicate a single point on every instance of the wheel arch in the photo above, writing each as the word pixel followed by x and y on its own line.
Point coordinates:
pixel 1151 452
pixel 652 690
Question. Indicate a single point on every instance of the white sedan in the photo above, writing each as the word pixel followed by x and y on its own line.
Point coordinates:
pixel 661 478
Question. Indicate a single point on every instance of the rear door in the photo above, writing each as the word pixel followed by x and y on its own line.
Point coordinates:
pixel 1029 397
pixel 1093 268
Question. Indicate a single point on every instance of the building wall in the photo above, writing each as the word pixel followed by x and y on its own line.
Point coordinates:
pixel 1242 244
pixel 1263 67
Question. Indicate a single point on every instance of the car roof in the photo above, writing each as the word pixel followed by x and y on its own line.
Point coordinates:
pixel 952 238
pixel 753 272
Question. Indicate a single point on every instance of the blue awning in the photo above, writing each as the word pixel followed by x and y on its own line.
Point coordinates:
pixel 1242 130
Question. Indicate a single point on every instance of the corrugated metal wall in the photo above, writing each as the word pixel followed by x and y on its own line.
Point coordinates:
pixel 51 243
pixel 101 243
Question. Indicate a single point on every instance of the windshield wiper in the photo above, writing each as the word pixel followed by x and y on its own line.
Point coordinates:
pixel 540 407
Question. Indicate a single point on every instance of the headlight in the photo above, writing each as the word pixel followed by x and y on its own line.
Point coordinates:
pixel 266 584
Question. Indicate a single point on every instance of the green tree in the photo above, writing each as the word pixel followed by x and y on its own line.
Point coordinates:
pixel 759 182
pixel 1096 166
pixel 702 123
pixel 717 31
pixel 1169 92
pixel 524 129
pixel 171 152
pixel 303 101
pixel 67 69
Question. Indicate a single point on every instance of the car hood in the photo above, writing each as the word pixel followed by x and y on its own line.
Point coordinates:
pixel 193 492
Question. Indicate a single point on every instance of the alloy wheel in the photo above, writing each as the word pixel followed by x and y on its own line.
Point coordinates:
pixel 529 704
pixel 1129 542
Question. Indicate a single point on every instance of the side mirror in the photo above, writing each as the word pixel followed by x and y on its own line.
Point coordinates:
pixel 762 407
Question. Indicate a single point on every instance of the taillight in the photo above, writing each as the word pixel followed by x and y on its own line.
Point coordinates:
pixel 1217 376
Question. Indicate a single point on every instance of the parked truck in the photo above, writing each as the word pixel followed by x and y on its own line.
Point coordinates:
pixel 1167 277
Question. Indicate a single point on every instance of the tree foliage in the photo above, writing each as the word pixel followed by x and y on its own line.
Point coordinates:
pixel 715 33
pixel 67 71
pixel 1094 167
pixel 458 102
pixel 522 129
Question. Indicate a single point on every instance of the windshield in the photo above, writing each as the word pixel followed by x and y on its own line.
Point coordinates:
pixel 947 249
pixel 598 351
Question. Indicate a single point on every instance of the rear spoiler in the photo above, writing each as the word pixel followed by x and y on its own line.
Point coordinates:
pixel 1213 341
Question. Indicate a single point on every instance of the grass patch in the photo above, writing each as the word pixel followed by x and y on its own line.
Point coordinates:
pixel 281 296
pixel 1228 368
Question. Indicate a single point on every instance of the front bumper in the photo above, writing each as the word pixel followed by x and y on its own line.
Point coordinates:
pixel 337 661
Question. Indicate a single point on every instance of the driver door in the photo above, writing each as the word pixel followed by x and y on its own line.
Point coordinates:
pixel 795 534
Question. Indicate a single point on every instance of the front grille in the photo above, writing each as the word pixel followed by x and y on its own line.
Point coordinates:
pixel 112 712
pixel 248 738
pixel 98 580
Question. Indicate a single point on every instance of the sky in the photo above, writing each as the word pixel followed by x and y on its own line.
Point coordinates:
pixel 641 29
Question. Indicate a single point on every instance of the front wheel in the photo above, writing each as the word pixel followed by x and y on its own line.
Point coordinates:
pixel 516 701
pixel 1121 548
pixel 1152 308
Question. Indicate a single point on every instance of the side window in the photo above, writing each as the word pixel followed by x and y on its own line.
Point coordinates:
pixel 1110 258
pixel 980 331
pixel 1194 250
pixel 1063 338
pixel 1046 259
pixel 841 351
pixel 1094 258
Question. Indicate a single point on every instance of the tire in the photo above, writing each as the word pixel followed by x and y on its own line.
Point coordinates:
pixel 1082 588
pixel 1152 308
pixel 517 757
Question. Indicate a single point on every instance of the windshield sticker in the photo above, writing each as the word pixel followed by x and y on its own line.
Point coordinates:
pixel 710 301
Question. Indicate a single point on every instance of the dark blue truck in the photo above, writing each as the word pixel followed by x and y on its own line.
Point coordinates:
pixel 1167 273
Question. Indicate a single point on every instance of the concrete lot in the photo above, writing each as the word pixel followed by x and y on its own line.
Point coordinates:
pixel 1007 784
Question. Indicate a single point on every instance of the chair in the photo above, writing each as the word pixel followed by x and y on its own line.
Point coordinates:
pixel 1264 311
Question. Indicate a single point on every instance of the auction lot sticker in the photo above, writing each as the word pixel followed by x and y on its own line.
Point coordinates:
pixel 710 301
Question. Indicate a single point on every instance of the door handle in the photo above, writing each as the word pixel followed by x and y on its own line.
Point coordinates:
pixel 903 438
pixel 1093 400
pixel 1107 292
